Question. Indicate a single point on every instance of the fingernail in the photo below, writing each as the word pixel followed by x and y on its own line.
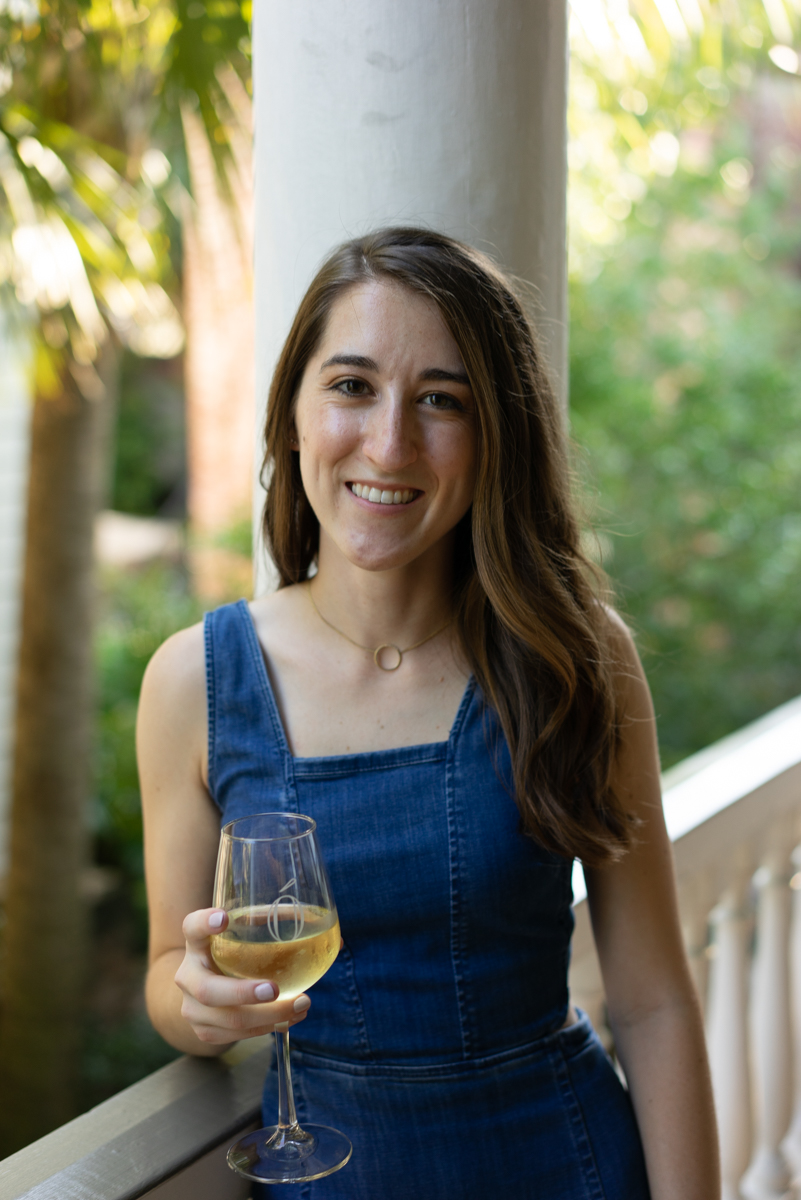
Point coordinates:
pixel 282 1026
pixel 216 919
pixel 265 991
pixel 301 1004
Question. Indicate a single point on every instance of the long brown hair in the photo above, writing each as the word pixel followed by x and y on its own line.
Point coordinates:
pixel 526 602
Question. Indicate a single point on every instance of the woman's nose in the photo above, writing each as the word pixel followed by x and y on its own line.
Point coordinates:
pixel 390 442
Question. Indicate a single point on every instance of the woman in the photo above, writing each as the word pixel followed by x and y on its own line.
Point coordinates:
pixel 452 702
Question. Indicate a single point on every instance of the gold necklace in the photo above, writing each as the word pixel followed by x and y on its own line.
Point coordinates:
pixel 384 645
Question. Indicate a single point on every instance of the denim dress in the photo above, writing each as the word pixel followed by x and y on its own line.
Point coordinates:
pixel 435 1042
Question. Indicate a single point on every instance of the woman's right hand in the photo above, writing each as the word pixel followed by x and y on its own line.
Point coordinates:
pixel 221 1010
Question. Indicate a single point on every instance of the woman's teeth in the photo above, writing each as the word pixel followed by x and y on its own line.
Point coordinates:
pixel 379 497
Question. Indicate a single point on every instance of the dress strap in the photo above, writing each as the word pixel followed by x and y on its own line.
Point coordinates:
pixel 246 740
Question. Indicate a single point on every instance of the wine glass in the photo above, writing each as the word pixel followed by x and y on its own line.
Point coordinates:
pixel 282 926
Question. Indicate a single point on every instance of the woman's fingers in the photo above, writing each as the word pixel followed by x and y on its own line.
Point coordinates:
pixel 245 1020
pixel 220 991
pixel 222 1025
pixel 221 1009
pixel 199 926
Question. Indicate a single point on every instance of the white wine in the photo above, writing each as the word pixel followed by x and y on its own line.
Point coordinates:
pixel 306 944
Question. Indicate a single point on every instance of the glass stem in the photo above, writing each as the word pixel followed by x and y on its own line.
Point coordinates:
pixel 287 1119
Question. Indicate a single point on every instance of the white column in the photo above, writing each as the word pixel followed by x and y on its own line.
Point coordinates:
pixel 15 412
pixel 727 1032
pixel 792 1143
pixel 768 1177
pixel 446 113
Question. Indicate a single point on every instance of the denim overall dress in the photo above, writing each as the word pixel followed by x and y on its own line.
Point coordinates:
pixel 435 1041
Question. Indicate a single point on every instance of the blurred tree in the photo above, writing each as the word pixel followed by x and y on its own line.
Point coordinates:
pixel 82 254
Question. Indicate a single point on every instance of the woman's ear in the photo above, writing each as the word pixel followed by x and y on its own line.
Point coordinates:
pixel 294 444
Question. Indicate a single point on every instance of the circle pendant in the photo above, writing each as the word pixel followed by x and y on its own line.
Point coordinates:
pixel 377 656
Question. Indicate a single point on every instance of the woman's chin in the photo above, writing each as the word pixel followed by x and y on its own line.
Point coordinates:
pixel 381 562
pixel 375 557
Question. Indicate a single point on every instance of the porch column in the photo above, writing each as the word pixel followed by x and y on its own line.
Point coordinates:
pixel 446 113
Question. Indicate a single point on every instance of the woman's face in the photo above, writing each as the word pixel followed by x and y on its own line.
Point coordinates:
pixel 386 428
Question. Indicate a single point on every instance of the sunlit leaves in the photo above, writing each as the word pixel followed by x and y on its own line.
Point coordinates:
pixel 661 71
pixel 88 86
pixel 73 228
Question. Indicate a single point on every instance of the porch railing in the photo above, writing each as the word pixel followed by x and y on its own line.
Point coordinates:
pixel 165 1137
pixel 734 815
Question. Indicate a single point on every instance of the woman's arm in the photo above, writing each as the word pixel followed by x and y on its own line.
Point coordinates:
pixel 651 999
pixel 193 1006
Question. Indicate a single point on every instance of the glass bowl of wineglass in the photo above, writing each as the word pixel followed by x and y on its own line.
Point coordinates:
pixel 282 926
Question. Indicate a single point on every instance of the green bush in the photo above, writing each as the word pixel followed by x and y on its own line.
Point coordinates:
pixel 139 610
pixel 686 397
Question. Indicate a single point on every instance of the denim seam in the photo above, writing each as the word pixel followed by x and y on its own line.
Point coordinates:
pixel 211 705
pixel 581 1138
pixel 349 769
pixel 302 1113
pixel 540 1049
pixel 358 1007
pixel 457 924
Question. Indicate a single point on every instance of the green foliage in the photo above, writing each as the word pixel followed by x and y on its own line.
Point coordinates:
pixel 238 537
pixel 119 1053
pixel 685 368
pixel 140 610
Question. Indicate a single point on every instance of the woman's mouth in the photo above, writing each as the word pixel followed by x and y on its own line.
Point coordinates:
pixel 375 495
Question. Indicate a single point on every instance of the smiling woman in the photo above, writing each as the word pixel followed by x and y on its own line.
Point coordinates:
pixel 438 683
pixel 367 425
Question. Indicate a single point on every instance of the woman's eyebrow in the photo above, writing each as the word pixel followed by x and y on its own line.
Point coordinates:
pixel 350 360
pixel 439 375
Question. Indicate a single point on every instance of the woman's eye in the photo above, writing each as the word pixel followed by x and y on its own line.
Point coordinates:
pixel 440 400
pixel 352 387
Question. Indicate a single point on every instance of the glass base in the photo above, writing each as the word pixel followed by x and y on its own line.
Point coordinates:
pixel 275 1156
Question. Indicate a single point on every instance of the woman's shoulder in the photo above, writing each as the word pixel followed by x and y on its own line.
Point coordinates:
pixel 178 667
pixel 631 686
pixel 619 635
pixel 177 671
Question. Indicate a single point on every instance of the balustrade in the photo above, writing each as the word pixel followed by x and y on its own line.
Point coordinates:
pixel 734 816
pixel 726 1013
pixel 792 1143
pixel 768 1176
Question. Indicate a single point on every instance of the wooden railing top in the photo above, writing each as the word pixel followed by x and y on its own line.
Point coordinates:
pixel 145 1134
